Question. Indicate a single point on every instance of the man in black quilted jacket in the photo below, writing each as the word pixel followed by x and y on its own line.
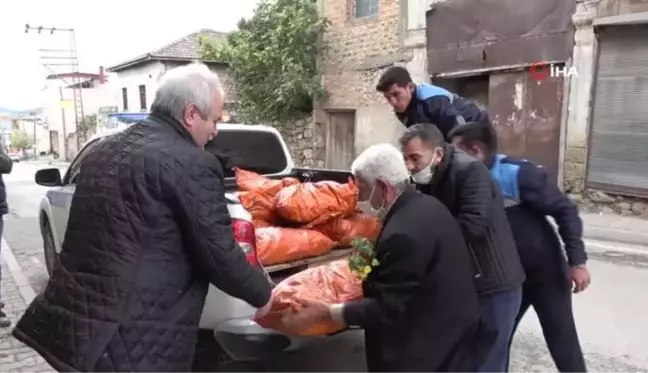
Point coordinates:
pixel 148 231
pixel 465 186
pixel 6 165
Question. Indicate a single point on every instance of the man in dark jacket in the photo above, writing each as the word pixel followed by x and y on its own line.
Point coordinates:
pixel 465 186
pixel 148 231
pixel 529 197
pixel 420 310
pixel 426 103
pixel 6 165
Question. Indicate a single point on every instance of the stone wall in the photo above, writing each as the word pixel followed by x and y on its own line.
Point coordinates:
pixel 598 202
pixel 574 169
pixel 305 140
pixel 357 52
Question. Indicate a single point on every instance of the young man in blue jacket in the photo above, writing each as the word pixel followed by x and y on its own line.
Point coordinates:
pixel 426 103
pixel 530 196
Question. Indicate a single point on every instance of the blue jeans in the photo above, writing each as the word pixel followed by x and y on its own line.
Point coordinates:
pixel 499 312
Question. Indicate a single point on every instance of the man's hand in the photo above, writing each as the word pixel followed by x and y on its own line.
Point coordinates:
pixel 311 312
pixel 580 278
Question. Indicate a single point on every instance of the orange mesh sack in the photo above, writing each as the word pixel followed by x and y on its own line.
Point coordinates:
pixel 344 230
pixel 276 245
pixel 288 181
pixel 330 283
pixel 259 205
pixel 251 181
pixel 316 202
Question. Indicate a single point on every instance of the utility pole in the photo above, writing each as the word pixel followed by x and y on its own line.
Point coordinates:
pixel 35 146
pixel 65 144
pixel 65 57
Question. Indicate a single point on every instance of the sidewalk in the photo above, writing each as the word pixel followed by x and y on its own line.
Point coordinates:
pixel 15 356
pixel 614 228
pixel 48 162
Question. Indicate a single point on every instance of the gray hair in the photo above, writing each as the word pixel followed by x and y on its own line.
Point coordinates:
pixel 381 162
pixel 185 85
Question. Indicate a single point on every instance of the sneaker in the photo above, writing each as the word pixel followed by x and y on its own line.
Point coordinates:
pixel 4 320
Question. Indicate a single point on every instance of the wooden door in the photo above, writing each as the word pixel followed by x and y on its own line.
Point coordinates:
pixel 340 139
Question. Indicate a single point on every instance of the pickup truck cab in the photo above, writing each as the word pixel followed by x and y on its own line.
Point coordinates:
pixel 228 333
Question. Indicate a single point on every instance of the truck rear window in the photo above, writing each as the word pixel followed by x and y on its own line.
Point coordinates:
pixel 256 151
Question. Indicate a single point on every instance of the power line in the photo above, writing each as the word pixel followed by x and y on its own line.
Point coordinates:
pixel 70 61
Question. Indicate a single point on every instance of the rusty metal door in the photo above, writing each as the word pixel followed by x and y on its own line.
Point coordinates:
pixel 527 116
pixel 340 139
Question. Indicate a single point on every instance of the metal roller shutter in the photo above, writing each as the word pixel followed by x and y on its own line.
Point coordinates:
pixel 618 150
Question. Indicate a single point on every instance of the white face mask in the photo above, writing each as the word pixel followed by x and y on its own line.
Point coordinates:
pixel 425 175
pixel 367 208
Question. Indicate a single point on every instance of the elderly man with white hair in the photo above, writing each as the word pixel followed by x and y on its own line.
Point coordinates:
pixel 420 310
pixel 148 231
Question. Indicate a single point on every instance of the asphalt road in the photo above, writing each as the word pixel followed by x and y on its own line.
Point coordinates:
pixel 611 315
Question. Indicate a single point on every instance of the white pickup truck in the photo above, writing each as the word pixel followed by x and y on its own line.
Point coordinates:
pixel 228 334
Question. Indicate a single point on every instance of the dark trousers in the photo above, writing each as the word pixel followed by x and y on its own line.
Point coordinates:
pixel 499 313
pixel 552 302
pixel 1 232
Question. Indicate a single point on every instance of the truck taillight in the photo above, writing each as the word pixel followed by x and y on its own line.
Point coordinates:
pixel 245 237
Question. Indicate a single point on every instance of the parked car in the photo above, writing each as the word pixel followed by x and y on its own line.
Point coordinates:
pixel 228 333
pixel 14 156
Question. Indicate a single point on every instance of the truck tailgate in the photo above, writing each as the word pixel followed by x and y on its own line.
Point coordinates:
pixel 310 262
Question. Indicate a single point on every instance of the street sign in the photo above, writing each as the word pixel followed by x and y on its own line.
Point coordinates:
pixel 67 104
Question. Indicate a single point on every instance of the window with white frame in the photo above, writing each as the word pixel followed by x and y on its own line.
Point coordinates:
pixel 365 8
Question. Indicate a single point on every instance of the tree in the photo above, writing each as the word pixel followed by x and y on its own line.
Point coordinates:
pixel 89 124
pixel 273 59
pixel 20 140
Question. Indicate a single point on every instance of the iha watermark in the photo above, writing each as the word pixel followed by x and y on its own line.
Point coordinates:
pixel 543 70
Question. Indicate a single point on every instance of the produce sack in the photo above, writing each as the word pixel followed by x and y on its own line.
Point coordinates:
pixel 259 205
pixel 316 203
pixel 330 283
pixel 276 245
pixel 344 230
pixel 251 181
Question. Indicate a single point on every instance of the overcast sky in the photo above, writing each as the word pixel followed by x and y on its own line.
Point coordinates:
pixel 107 32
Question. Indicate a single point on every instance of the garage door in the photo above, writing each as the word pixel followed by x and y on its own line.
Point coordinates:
pixel 618 155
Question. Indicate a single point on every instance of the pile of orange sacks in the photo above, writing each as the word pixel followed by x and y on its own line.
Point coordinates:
pixel 295 220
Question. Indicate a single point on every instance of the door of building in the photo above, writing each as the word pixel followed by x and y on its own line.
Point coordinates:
pixel 340 139
pixel 527 116
pixel 618 148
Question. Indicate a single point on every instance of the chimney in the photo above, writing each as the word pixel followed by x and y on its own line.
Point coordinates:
pixel 102 75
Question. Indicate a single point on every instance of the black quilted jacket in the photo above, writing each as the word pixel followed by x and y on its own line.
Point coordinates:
pixel 148 230
pixel 466 187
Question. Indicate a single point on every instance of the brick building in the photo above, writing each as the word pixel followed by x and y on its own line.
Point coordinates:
pixel 364 38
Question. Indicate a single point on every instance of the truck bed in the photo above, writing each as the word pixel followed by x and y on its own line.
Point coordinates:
pixel 302 174
pixel 281 271
pixel 310 262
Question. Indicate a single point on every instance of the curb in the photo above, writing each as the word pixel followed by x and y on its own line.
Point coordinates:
pixel 598 246
pixel 613 235
pixel 20 279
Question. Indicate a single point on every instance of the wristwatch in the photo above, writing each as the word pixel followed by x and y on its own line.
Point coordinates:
pixel 581 266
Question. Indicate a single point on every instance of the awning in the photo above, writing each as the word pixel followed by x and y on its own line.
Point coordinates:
pixel 480 34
